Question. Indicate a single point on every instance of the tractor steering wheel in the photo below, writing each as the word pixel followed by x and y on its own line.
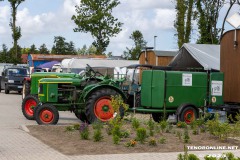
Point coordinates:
pixel 93 71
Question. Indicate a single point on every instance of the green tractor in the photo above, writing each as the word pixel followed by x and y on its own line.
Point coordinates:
pixel 66 94
pixel 30 87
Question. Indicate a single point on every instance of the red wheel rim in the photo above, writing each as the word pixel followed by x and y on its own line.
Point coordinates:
pixel 29 106
pixel 189 116
pixel 103 109
pixel 46 116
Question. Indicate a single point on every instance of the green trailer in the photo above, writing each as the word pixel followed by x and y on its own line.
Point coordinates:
pixel 179 93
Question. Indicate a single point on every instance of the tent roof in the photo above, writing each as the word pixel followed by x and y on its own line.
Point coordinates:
pixel 207 55
pixel 47 64
pixel 82 63
pixel 166 53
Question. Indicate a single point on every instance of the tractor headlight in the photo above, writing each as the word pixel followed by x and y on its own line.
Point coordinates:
pixel 10 81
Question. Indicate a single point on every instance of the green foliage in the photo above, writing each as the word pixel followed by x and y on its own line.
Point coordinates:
pixel 116 139
pixel 181 124
pixel 216 128
pixel 131 143
pixel 152 142
pixel 43 49
pixel 33 49
pixel 183 22
pixel 62 47
pixel 125 134
pixel 96 17
pixel 135 123
pixel 141 134
pixel 187 156
pixel 84 131
pixel 163 124
pixel 76 126
pixel 97 135
pixel 69 129
pixel 186 137
pixel 179 135
pixel 116 130
pixel 118 106
pixel 139 44
pixel 162 140
pixel 97 125
pixel 151 126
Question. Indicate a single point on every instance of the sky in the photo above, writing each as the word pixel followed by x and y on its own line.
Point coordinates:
pixel 41 20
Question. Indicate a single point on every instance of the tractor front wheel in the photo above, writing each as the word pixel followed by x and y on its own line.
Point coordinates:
pixel 46 114
pixel 28 105
pixel 188 115
pixel 99 105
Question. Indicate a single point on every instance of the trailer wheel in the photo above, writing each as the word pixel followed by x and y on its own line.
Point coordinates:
pixel 46 114
pixel 26 89
pixel 28 105
pixel 81 116
pixel 157 117
pixel 188 115
pixel 99 105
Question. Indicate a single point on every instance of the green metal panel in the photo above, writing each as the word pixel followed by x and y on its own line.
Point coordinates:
pixel 158 88
pixel 52 92
pixel 216 88
pixel 186 87
pixel 146 88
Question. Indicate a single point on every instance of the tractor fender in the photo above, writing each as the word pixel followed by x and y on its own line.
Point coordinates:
pixel 88 92
pixel 182 106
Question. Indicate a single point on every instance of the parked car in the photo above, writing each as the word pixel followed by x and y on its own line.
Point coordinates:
pixel 12 78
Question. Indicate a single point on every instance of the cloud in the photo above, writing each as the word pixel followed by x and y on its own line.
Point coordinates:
pixel 164 18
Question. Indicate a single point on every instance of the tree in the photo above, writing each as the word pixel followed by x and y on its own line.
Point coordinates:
pixel 11 58
pixel 208 13
pixel 139 44
pixel 4 54
pixel 83 50
pixel 95 16
pixel 71 48
pixel 92 50
pixel 16 31
pixel 183 22
pixel 33 49
pixel 43 49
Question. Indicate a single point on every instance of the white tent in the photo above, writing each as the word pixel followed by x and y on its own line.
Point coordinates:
pixel 205 56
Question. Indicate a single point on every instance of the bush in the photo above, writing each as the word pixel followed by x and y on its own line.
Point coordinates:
pixel 118 106
pixel 135 123
pixel 97 136
pixel 69 129
pixel 163 124
pixel 152 142
pixel 125 134
pixel 84 131
pixel 162 140
pixel 181 124
pixel 186 137
pixel 116 139
pixel 131 143
pixel 141 134
pixel 151 126
pixel 76 126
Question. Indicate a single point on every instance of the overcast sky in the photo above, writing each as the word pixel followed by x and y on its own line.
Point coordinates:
pixel 41 20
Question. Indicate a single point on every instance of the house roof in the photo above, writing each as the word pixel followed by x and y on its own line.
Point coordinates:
pixel 207 55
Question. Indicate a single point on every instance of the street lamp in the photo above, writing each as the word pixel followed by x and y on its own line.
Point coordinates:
pixel 155 43
pixel 234 21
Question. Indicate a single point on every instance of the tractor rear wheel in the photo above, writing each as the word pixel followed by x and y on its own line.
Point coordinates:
pixel 81 116
pixel 99 105
pixel 188 115
pixel 46 114
pixel 26 89
pixel 28 105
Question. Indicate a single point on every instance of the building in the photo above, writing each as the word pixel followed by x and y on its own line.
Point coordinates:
pixel 156 58
pixel 35 60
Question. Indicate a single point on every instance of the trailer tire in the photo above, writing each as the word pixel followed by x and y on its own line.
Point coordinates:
pixel 28 105
pixel 188 114
pixel 157 117
pixel 98 105
pixel 46 114
pixel 26 89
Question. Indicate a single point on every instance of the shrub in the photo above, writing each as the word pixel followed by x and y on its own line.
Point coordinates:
pixel 69 129
pixel 125 134
pixel 97 136
pixel 84 131
pixel 131 143
pixel 179 135
pixel 97 125
pixel 181 124
pixel 151 126
pixel 76 126
pixel 141 134
pixel 162 140
pixel 118 106
pixel 135 123
pixel 116 130
pixel 186 137
pixel 116 139
pixel 152 142
pixel 163 125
